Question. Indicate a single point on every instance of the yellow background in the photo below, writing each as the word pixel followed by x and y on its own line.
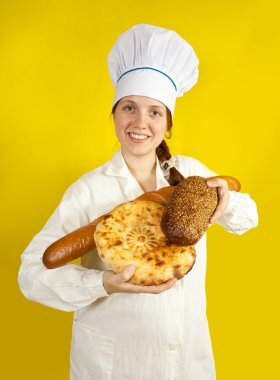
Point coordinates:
pixel 55 104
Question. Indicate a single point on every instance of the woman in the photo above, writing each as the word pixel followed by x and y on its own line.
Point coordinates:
pixel 120 330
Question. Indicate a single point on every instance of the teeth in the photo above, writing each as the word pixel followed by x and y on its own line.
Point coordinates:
pixel 139 137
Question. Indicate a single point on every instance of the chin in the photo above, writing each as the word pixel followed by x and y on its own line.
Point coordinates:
pixel 139 151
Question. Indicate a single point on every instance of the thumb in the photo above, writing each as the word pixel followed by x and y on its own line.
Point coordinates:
pixel 125 274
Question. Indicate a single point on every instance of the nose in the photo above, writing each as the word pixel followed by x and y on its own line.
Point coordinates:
pixel 140 121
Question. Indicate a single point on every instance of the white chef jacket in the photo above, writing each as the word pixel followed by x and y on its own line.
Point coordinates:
pixel 126 336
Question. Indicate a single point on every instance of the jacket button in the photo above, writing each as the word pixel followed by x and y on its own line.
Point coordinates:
pixel 171 347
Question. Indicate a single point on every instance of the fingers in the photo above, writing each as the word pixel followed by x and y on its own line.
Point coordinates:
pixel 223 197
pixel 113 282
pixel 155 289
pixel 222 204
pixel 124 275
pixel 217 182
pixel 117 283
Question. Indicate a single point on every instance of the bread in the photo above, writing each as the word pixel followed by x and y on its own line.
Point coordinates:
pixel 188 211
pixel 80 241
pixel 131 234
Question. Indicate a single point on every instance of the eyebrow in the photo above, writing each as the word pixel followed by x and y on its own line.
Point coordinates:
pixel 131 101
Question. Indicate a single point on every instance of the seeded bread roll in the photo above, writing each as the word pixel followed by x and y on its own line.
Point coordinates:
pixel 188 211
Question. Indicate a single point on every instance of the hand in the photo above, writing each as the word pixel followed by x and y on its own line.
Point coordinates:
pixel 223 197
pixel 117 283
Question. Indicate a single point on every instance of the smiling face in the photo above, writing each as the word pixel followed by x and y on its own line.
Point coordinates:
pixel 140 124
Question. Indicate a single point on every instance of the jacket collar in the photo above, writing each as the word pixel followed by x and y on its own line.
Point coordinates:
pixel 117 167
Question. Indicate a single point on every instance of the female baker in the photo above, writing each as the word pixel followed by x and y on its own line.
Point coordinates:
pixel 120 330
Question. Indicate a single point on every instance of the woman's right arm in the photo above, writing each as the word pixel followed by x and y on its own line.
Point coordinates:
pixel 70 287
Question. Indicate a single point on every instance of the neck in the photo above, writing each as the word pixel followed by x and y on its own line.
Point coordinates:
pixel 141 167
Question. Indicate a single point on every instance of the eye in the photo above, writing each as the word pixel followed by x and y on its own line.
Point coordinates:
pixel 156 113
pixel 128 108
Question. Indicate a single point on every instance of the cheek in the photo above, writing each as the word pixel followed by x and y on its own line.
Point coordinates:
pixel 119 133
pixel 161 131
pixel 120 125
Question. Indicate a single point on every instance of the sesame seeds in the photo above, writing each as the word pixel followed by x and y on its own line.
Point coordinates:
pixel 188 211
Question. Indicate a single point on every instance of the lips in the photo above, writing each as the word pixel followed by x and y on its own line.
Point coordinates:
pixel 137 137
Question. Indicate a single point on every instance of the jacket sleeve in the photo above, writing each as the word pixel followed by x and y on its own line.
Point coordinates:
pixel 70 287
pixel 241 213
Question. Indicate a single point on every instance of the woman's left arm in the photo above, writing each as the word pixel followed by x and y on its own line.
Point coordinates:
pixel 236 212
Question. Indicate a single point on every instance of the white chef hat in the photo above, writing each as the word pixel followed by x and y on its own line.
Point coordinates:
pixel 151 61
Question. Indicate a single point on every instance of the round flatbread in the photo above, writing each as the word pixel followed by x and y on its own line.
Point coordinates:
pixel 131 234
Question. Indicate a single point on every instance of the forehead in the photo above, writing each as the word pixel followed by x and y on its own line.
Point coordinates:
pixel 142 101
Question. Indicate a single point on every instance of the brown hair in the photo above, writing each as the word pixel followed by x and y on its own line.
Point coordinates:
pixel 162 151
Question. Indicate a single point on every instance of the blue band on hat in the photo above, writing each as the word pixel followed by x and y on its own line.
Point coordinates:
pixel 149 68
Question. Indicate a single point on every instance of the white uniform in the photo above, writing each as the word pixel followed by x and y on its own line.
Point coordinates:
pixel 127 336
